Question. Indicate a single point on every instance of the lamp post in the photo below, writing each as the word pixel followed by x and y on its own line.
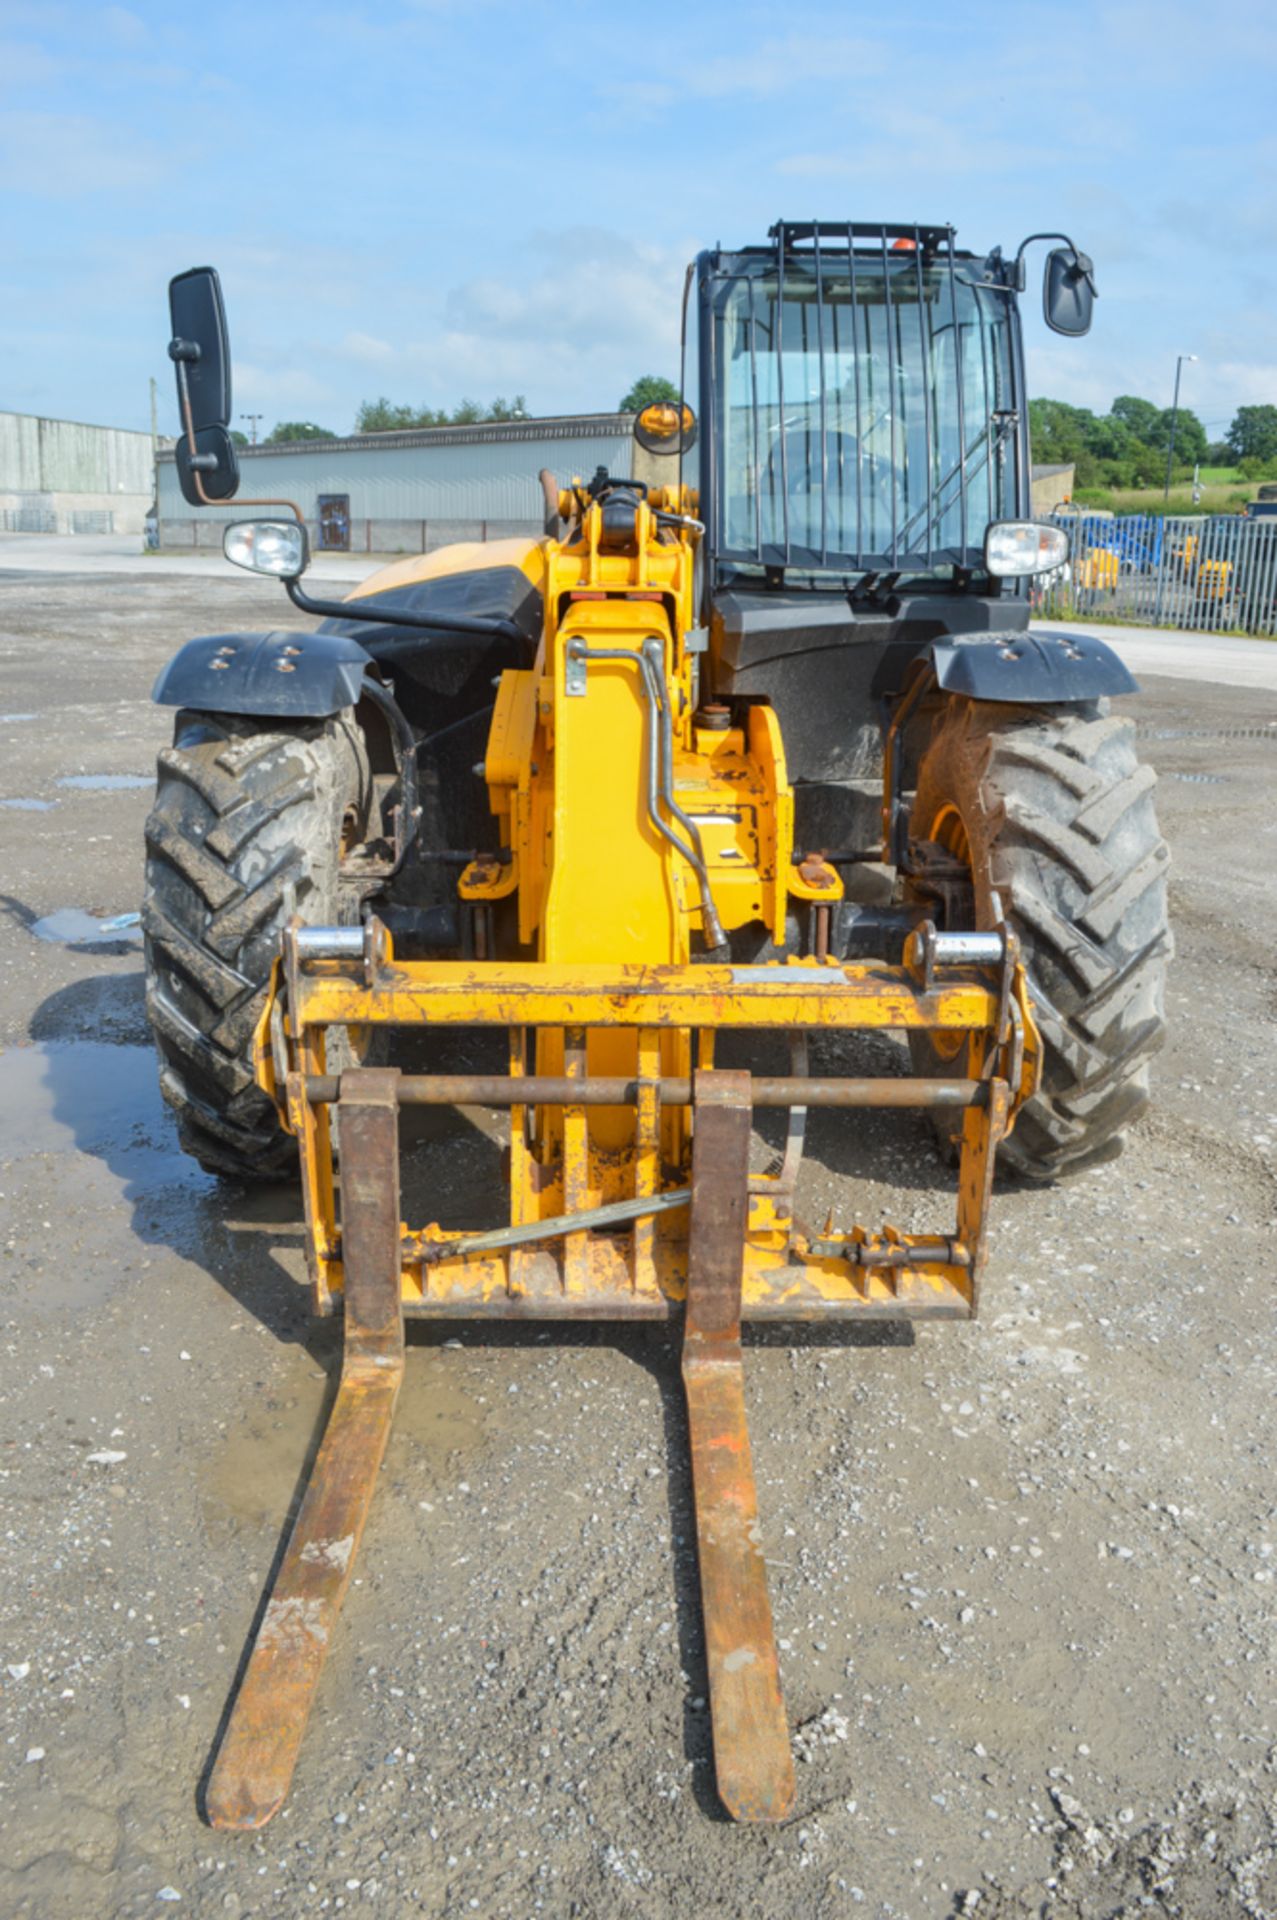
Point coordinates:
pixel 1170 451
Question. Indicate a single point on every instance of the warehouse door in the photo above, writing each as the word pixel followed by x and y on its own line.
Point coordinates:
pixel 334 522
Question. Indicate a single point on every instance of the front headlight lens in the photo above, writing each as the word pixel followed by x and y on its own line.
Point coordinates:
pixel 277 547
pixel 1013 548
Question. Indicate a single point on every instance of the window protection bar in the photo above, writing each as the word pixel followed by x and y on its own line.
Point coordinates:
pixel 808 245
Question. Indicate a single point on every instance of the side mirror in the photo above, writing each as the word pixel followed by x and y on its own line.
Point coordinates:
pixel 1068 291
pixel 207 468
pixel 665 428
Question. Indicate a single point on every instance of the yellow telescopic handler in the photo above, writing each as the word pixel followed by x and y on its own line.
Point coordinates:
pixel 611 794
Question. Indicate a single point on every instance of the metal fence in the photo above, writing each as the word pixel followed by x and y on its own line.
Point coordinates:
pixel 46 520
pixel 365 536
pixel 1209 573
pixel 28 520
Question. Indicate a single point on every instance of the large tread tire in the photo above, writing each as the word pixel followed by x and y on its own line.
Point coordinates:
pixel 246 829
pixel 1058 814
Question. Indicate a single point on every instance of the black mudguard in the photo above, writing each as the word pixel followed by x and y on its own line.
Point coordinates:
pixel 1030 669
pixel 289 675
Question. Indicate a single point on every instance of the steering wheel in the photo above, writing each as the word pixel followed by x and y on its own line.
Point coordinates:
pixel 800 463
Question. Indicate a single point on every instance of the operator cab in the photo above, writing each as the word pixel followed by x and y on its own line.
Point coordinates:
pixel 863 391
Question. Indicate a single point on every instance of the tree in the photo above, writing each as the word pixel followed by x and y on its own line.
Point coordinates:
pixel 1140 417
pixel 1253 434
pixel 384 416
pixel 1060 432
pixel 289 430
pixel 1126 447
pixel 387 416
pixel 238 439
pixel 1190 436
pixel 1220 454
pixel 646 391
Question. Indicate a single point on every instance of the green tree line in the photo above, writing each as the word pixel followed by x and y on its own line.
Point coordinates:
pixel 392 416
pixel 1127 446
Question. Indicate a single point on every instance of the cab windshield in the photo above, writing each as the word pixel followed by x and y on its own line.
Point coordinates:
pixel 864 410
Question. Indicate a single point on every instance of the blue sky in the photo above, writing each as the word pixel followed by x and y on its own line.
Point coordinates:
pixel 435 200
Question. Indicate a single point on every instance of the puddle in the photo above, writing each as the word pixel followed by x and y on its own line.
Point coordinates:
pixel 29 806
pixel 9 719
pixel 105 782
pixel 252 1469
pixel 1199 779
pixel 73 927
pixel 435 1412
pixel 86 1144
pixel 86 1096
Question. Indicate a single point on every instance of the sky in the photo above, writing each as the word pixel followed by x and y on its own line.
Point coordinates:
pixel 438 199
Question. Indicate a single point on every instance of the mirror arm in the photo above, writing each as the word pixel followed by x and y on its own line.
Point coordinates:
pixel 1087 272
pixel 180 351
pixel 394 617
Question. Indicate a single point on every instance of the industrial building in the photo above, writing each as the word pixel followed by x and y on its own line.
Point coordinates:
pixel 408 492
pixel 424 488
pixel 62 476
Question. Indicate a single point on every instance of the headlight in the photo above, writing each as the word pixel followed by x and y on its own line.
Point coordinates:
pixel 279 547
pixel 1016 547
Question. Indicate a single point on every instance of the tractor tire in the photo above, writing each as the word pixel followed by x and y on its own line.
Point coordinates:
pixel 247 828
pixel 1050 808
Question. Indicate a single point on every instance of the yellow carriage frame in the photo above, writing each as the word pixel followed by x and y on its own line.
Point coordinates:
pixel 694 1235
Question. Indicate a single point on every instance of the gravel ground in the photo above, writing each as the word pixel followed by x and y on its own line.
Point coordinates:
pixel 1022 1571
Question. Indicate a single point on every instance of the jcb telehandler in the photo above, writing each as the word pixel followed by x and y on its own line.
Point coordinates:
pixel 612 793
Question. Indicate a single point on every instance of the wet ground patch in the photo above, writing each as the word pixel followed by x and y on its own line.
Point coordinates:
pixel 105 782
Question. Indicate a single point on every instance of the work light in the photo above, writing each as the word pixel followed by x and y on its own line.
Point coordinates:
pixel 1014 548
pixel 277 547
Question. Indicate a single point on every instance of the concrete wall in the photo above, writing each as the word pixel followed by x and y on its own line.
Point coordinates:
pixel 1050 487
pixel 53 471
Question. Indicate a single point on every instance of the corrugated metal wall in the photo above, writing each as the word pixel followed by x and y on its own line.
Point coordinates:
pixel 444 474
pixel 65 456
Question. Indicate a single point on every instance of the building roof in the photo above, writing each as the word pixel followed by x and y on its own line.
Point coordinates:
pixel 564 426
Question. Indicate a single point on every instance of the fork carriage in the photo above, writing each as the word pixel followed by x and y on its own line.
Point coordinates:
pixel 631 1199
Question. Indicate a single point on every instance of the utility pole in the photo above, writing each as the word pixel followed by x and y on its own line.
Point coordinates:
pixel 252 419
pixel 1170 451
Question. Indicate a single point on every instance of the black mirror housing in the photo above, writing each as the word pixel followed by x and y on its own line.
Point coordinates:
pixel 1068 292
pixel 201 356
pixel 217 469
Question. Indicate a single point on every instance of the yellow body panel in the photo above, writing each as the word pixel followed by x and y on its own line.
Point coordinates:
pixel 635 828
pixel 468 556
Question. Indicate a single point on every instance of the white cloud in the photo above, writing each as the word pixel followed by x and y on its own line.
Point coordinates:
pixel 570 326
pixel 771 67
pixel 23 66
pixel 63 155
pixel 362 346
pixel 124 27
pixel 282 391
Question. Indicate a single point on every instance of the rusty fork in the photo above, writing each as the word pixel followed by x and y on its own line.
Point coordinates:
pixel 752 1758
pixel 255 1762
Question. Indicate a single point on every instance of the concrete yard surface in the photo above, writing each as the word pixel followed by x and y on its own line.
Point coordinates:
pixel 1023 1570
pixel 1222 659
